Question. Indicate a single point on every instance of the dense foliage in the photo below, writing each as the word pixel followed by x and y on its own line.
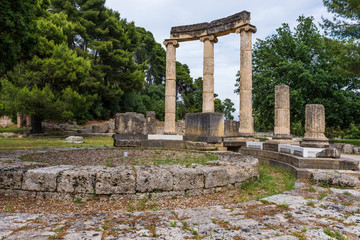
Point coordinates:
pixel 76 60
pixel 310 65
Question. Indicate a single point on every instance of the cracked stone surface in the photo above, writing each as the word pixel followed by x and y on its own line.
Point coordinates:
pixel 285 216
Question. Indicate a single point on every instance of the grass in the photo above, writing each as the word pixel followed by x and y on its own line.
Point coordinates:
pixel 12 130
pixel 271 181
pixel 7 144
pixel 355 142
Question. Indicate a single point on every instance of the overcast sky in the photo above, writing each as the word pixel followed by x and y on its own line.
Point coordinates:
pixel 158 16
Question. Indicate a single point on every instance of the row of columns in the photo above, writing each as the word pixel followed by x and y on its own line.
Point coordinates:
pixel 246 128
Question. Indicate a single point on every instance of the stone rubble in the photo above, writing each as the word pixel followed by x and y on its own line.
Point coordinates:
pixel 285 216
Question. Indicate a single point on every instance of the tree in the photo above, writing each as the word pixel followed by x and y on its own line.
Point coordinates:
pixel 17 30
pixel 305 61
pixel 346 22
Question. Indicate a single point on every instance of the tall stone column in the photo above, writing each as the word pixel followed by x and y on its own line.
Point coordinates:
pixel 282 113
pixel 315 127
pixel 170 86
pixel 246 120
pixel 208 73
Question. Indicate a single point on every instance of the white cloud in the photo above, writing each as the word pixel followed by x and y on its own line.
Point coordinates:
pixel 158 16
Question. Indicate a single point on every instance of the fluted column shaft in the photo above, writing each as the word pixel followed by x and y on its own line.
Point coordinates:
pixel 246 120
pixel 170 86
pixel 208 74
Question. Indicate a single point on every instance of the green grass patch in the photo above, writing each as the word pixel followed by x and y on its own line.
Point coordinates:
pixel 12 130
pixel 271 181
pixel 51 142
pixel 355 142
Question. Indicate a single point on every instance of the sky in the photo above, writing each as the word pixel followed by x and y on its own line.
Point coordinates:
pixel 158 16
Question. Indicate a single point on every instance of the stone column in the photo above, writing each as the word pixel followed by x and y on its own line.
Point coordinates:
pixel 170 86
pixel 246 120
pixel 208 73
pixel 282 113
pixel 315 127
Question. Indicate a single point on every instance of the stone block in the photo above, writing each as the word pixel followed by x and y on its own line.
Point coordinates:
pixel 119 141
pixel 335 178
pixel 79 180
pixel 231 128
pixel 74 139
pixel 11 177
pixel 43 179
pixel 100 128
pixel 114 180
pixel 215 176
pixel 186 178
pixel 348 148
pixel 130 123
pixel 356 150
pixel 329 153
pixel 205 127
pixel 151 178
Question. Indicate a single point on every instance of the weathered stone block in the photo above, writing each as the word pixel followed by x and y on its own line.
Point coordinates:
pixel 329 153
pixel 43 179
pixel 119 141
pixel 79 180
pixel 335 178
pixel 11 177
pixel 100 128
pixel 215 176
pixel 130 123
pixel 205 127
pixel 186 178
pixel 115 180
pixel 74 139
pixel 348 148
pixel 150 178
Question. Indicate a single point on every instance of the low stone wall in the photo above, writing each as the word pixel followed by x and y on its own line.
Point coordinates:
pixel 67 182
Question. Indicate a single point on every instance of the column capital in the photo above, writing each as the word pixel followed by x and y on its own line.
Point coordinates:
pixel 211 38
pixel 171 41
pixel 246 28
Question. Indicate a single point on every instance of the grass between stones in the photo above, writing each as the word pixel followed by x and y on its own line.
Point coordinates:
pixel 7 144
pixel 272 181
pixel 115 157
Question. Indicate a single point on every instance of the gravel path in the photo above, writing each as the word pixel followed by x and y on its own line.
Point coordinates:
pixel 291 215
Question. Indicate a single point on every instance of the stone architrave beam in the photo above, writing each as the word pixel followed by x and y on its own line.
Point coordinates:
pixel 208 74
pixel 170 87
pixel 246 120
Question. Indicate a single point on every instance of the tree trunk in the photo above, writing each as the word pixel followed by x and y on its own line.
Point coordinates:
pixel 36 125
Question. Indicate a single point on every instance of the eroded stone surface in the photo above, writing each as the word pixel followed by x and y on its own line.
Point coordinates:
pixel 115 180
pixel 43 179
pixel 284 216
pixel 150 178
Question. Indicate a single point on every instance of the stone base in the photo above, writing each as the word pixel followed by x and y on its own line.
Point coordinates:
pixel 282 137
pixel 315 143
pixel 246 135
pixel 204 127
pixel 272 145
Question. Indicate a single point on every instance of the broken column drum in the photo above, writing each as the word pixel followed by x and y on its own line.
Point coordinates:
pixel 282 113
pixel 315 127
pixel 208 33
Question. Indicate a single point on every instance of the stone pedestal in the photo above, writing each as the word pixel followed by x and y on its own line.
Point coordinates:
pixel 246 120
pixel 204 127
pixel 282 113
pixel 208 74
pixel 315 127
pixel 170 87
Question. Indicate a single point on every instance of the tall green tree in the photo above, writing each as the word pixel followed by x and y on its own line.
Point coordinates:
pixel 304 60
pixel 17 31
pixel 346 20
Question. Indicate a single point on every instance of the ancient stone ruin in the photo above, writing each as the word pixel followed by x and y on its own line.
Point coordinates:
pixel 208 33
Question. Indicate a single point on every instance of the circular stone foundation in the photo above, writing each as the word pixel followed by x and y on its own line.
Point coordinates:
pixel 67 182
